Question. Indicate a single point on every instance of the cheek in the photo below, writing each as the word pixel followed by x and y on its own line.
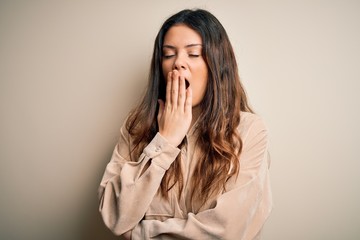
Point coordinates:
pixel 166 68
pixel 199 90
pixel 202 79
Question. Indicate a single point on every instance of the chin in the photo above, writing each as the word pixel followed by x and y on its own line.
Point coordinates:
pixel 194 105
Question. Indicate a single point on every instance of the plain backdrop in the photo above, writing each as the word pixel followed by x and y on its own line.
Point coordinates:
pixel 70 71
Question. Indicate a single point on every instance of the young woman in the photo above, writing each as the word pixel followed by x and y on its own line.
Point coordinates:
pixel 191 161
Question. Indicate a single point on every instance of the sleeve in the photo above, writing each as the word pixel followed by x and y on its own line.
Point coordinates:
pixel 239 213
pixel 128 187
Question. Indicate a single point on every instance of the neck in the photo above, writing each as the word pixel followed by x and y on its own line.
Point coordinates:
pixel 196 111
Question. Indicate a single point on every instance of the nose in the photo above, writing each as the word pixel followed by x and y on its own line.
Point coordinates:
pixel 179 64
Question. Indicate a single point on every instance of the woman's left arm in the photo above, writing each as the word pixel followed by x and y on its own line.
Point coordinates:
pixel 239 213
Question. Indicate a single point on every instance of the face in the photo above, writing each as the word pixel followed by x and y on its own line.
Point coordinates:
pixel 182 50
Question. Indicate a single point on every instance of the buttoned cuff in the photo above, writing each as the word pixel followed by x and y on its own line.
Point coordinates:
pixel 161 152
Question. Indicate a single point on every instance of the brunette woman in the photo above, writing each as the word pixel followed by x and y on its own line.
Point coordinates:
pixel 191 161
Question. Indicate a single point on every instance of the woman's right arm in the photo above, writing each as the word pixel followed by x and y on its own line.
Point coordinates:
pixel 127 187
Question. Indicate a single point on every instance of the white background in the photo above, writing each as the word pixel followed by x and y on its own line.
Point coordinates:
pixel 71 70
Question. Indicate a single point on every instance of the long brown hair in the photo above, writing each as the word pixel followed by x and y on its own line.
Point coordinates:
pixel 218 140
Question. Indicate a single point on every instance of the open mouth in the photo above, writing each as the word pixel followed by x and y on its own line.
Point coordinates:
pixel 187 84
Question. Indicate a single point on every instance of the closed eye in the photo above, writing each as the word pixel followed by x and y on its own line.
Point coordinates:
pixel 194 55
pixel 168 56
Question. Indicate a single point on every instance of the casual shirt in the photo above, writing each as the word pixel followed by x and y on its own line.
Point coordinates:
pixel 130 200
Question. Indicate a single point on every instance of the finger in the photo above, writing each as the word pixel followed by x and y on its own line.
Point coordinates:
pixel 188 101
pixel 161 109
pixel 182 92
pixel 168 88
pixel 175 88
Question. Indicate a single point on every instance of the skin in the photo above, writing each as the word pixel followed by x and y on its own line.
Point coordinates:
pixel 182 59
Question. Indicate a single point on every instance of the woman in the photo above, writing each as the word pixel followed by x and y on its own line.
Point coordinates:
pixel 191 161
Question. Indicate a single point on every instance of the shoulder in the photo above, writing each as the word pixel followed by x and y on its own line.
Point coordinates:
pixel 254 135
pixel 250 124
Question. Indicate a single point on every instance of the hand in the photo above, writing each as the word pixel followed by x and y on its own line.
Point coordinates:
pixel 174 117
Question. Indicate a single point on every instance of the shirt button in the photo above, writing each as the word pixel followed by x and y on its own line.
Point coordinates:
pixel 157 149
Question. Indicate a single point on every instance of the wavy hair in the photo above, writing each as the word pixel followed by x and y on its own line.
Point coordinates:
pixel 218 140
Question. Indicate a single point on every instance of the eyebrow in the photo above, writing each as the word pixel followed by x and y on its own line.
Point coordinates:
pixel 187 46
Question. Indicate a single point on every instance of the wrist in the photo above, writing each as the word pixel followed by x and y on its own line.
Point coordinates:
pixel 168 139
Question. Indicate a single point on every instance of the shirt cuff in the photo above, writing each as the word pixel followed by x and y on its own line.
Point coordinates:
pixel 161 152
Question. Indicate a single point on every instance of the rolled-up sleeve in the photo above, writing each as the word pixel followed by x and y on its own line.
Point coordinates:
pixel 239 213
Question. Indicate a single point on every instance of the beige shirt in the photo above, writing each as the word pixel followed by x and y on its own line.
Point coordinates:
pixel 129 199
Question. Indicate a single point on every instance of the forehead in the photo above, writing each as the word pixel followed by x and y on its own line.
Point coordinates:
pixel 181 35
